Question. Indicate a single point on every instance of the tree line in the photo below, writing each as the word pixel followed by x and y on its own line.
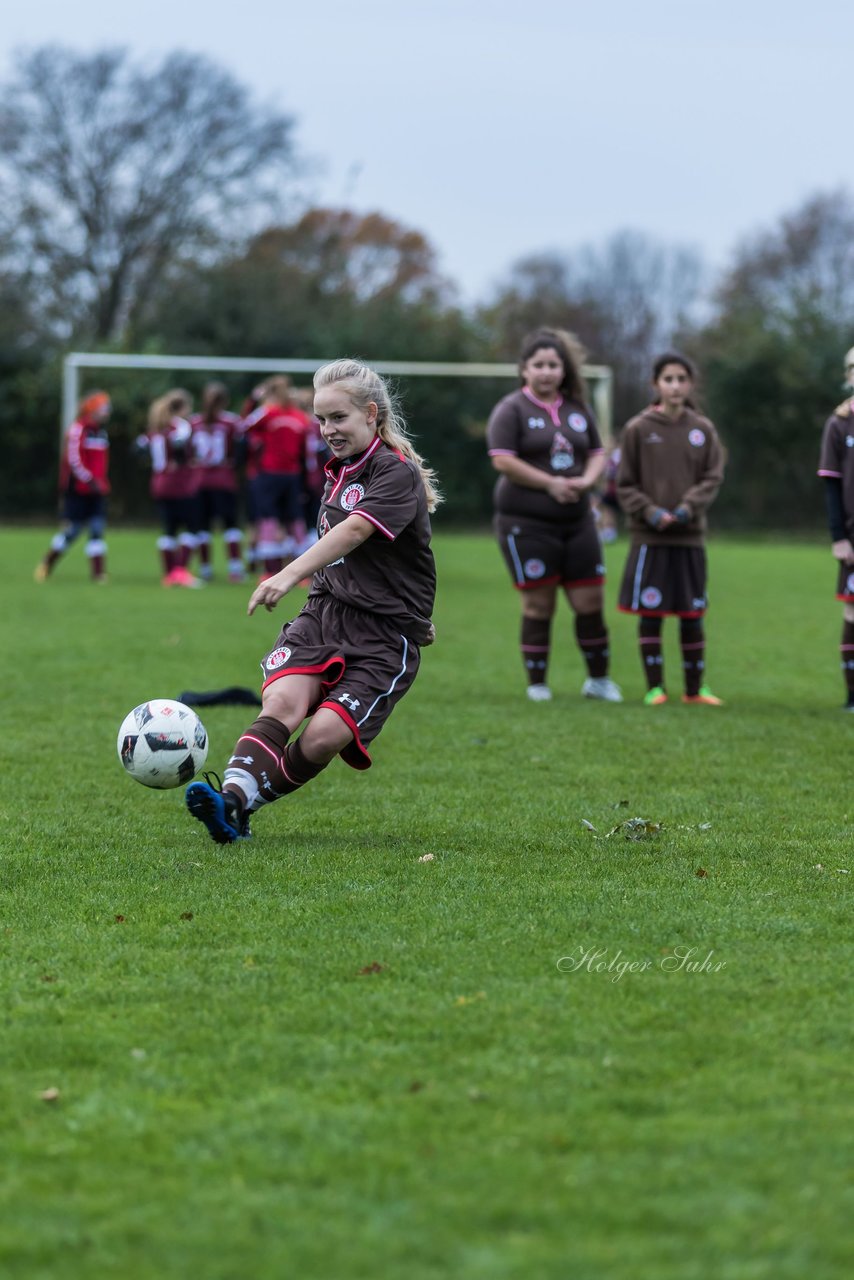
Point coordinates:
pixel 156 209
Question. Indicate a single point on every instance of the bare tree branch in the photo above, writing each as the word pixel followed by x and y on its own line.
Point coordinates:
pixel 111 172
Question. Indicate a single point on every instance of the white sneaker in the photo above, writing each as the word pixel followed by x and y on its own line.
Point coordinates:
pixel 603 688
pixel 539 693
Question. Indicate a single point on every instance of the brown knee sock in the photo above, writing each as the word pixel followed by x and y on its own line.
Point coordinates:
pixel 535 644
pixel 693 642
pixel 254 770
pixel 592 636
pixel 649 638
pixel 846 653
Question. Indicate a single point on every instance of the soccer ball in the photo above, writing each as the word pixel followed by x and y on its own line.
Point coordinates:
pixel 162 743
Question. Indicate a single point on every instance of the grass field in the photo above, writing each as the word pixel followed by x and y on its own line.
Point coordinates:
pixel 317 1056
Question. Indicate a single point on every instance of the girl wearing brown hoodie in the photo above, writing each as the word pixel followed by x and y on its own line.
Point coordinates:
pixel 671 467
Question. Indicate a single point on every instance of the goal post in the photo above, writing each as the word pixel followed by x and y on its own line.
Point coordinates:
pixel 598 377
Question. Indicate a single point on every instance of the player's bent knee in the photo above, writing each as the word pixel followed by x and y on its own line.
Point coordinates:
pixel 288 700
pixel 848 612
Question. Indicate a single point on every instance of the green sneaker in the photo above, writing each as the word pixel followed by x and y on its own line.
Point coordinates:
pixel 655 698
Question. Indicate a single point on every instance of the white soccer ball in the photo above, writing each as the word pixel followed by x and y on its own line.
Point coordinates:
pixel 162 743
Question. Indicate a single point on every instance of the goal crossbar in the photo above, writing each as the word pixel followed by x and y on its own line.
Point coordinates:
pixel 598 375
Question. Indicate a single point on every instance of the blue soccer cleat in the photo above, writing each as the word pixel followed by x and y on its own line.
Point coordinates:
pixel 219 811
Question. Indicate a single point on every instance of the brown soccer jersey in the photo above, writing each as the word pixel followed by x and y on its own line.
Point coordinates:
pixel 393 573
pixel 555 438
pixel 667 463
pixel 836 461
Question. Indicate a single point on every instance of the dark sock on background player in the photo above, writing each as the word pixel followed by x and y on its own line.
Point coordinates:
pixel 649 639
pixel 535 645
pixel 592 636
pixel 846 654
pixel 693 642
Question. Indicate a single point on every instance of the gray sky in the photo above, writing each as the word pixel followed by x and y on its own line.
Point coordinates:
pixel 500 129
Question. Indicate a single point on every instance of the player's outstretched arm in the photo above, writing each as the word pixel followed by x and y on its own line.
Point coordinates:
pixel 334 545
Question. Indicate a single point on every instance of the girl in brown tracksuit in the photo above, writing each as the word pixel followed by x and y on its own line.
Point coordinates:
pixel 671 467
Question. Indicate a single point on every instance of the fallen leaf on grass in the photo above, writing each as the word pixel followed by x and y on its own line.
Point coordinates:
pixel 641 828
pixel 843 871
pixel 186 915
pixel 701 871
pixel 427 857
pixel 49 1095
pixel 416 1086
pixel 120 920
pixel 374 967
pixel 48 977
pixel 636 829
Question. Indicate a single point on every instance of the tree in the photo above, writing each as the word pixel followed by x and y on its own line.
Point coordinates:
pixel 335 283
pixel 112 173
pixel 772 359
pixel 626 300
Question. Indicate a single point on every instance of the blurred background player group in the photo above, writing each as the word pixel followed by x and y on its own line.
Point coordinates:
pixel 197 462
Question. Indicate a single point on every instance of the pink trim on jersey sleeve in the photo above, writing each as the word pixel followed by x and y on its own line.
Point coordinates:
pixel 75 460
pixel 595 452
pixel 503 453
pixel 374 521
pixel 831 475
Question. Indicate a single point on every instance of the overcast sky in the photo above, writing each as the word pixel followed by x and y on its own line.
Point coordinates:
pixel 501 128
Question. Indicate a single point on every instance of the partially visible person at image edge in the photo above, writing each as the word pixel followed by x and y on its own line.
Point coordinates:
pixel 353 650
pixel 836 467
pixel 544 442
pixel 84 484
pixel 671 467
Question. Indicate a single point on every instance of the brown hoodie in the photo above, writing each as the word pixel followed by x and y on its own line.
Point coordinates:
pixel 669 464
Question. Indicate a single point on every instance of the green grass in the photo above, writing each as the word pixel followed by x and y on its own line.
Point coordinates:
pixel 238 1100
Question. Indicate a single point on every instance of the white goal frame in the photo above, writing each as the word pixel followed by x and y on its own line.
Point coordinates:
pixel 598 376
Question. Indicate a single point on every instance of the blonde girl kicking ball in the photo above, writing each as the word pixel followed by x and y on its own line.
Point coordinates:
pixel 671 467
pixel 353 650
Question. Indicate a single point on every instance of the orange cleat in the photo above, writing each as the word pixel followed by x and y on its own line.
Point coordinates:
pixel 704 698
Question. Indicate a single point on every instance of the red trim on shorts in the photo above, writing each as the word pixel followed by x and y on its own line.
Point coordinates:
pixel 309 671
pixel 661 613
pixel 354 754
pixel 846 599
pixel 541 582
pixel 583 582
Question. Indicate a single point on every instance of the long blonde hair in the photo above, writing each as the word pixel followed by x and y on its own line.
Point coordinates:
pixel 175 404
pixel 365 387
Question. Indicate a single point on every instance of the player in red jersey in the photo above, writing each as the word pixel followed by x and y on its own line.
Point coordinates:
pixel 671 467
pixel 544 442
pixel 836 467
pixel 216 441
pixel 276 434
pixel 168 442
pixel 84 484
pixel 316 456
pixel 353 650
